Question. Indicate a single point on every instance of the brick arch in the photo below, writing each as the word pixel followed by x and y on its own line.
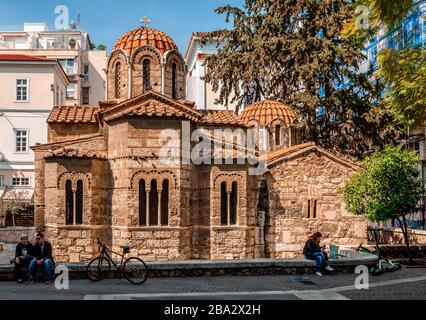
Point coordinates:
pixel 121 57
pixel 136 61
pixel 74 177
pixel 171 57
pixel 145 51
pixel 229 179
pixel 149 176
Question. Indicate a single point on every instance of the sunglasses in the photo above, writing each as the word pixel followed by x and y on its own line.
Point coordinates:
pixel 38 238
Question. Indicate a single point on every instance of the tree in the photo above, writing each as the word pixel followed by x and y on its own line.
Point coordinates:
pixel 292 51
pixel 387 187
pixel 403 71
pixel 102 47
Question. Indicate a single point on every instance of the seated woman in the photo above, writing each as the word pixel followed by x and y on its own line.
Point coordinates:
pixel 312 251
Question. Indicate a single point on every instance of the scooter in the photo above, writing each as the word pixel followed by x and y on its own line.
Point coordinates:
pixel 384 264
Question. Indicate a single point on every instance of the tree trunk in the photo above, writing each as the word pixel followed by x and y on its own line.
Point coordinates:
pixel 404 228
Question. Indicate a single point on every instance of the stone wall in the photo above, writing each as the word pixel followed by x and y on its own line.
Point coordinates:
pixel 295 186
pixel 13 234
pixel 394 237
pixel 60 132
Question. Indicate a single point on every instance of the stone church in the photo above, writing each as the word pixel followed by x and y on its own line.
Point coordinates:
pixel 101 175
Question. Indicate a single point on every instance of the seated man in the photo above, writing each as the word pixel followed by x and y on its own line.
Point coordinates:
pixel 24 254
pixel 43 258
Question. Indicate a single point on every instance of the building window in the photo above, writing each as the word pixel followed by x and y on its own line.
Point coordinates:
pixel 117 80
pixel 165 203
pixel 70 91
pixel 69 203
pixel 312 209
pixel 86 72
pixel 278 136
pixel 174 81
pixel 57 95
pixel 142 203
pixel 1 181
pixel 74 202
pixel 223 204
pixel 154 203
pixel 68 66
pixel 229 204
pixel 146 74
pixel 22 90
pixel 20 182
pixel 21 140
pixel 86 96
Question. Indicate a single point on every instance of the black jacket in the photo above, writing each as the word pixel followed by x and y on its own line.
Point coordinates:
pixel 20 246
pixel 46 253
pixel 311 248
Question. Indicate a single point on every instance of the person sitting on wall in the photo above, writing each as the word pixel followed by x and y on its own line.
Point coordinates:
pixel 24 254
pixel 312 251
pixel 43 258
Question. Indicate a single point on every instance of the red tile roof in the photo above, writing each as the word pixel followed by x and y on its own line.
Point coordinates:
pixel 150 104
pixel 22 57
pixel 145 36
pixel 265 112
pixel 73 114
pixel 220 118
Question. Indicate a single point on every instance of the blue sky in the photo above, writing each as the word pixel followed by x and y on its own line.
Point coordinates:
pixel 107 20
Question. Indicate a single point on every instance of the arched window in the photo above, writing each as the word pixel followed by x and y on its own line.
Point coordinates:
pixel 233 204
pixel 142 203
pixel 153 204
pixel 146 74
pixel 174 81
pixel 165 203
pixel 117 80
pixel 278 136
pixel 69 203
pixel 223 204
pixel 74 198
pixel 79 203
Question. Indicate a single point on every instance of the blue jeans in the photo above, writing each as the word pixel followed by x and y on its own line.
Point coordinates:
pixel 320 259
pixel 47 268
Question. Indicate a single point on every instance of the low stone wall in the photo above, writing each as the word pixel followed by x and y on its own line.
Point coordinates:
pixel 199 268
pixel 13 234
pixel 396 237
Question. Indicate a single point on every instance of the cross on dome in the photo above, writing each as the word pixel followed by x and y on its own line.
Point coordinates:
pixel 145 21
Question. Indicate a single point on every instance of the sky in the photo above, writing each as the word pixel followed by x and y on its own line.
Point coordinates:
pixel 107 20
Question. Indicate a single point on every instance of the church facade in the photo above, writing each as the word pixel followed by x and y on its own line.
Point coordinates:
pixel 103 175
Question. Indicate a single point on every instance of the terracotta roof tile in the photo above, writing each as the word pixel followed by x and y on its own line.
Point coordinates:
pixel 145 36
pixel 22 57
pixel 220 117
pixel 73 114
pixel 265 112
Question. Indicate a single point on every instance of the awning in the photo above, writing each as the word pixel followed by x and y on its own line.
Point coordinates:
pixel 23 195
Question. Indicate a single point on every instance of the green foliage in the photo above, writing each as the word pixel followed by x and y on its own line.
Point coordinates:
pixel 387 187
pixel 405 73
pixel 292 51
pixel 102 47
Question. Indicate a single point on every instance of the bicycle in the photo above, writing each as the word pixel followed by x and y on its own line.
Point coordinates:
pixel 133 269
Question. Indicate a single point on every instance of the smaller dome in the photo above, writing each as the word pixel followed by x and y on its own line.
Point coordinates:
pixel 267 111
pixel 145 36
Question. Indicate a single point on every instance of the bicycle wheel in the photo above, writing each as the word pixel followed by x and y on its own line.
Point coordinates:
pixel 98 269
pixel 135 271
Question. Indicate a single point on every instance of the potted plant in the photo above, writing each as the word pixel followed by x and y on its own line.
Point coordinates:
pixel 73 43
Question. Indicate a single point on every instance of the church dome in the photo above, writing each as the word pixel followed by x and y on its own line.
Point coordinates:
pixel 267 111
pixel 145 36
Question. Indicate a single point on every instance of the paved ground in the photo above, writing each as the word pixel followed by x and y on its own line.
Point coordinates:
pixel 407 284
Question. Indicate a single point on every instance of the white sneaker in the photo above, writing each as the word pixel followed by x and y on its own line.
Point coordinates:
pixel 319 274
pixel 329 269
